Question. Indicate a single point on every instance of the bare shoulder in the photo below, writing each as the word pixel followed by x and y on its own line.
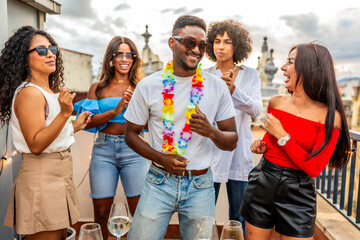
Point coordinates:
pixel 276 100
pixel 29 98
pixel 91 93
pixel 29 93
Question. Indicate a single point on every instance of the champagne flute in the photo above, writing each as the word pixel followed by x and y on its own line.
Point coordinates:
pixel 119 220
pixel 232 230
pixel 90 231
pixel 207 229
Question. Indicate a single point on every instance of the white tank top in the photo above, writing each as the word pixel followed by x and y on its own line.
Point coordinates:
pixel 64 140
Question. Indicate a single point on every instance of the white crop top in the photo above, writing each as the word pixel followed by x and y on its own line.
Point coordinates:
pixel 64 140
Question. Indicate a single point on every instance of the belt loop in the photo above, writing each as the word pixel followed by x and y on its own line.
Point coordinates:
pixel 190 176
pixel 62 155
pixel 100 136
pixel 167 174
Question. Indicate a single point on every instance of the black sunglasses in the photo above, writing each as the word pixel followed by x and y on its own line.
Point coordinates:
pixel 191 43
pixel 42 51
pixel 128 55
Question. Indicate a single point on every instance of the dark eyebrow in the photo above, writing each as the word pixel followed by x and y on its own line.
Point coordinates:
pixel 225 40
pixel 189 37
pixel 192 38
pixel 122 52
pixel 44 46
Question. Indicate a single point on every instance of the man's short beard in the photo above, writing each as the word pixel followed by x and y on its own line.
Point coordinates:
pixel 187 67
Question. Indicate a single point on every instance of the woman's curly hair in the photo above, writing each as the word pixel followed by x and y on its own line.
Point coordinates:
pixel 240 37
pixel 14 68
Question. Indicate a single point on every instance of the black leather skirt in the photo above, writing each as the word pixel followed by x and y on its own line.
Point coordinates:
pixel 281 197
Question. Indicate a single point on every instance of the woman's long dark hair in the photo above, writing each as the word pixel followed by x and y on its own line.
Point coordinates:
pixel 108 72
pixel 14 68
pixel 315 70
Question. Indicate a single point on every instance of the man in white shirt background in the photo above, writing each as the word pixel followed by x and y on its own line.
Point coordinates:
pixel 232 44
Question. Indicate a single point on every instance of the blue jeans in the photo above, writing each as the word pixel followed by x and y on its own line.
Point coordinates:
pixel 162 195
pixel 110 158
pixel 235 191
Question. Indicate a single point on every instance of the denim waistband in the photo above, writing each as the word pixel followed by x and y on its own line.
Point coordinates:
pixel 106 136
pixel 186 173
pixel 282 171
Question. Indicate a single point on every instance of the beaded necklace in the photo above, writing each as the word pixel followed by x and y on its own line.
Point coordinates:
pixel 168 93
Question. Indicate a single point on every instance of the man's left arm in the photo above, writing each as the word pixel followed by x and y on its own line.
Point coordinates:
pixel 225 136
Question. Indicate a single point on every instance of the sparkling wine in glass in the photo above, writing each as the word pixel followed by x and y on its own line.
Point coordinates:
pixel 90 231
pixel 232 230
pixel 207 229
pixel 119 220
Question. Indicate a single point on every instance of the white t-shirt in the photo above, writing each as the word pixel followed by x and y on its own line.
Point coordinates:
pixel 236 165
pixel 63 141
pixel 147 102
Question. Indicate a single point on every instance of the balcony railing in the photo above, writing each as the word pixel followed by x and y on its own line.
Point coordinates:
pixel 341 188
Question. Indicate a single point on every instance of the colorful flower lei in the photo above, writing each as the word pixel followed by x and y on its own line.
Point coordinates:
pixel 195 96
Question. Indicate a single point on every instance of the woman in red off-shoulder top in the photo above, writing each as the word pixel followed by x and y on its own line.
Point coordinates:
pixel 305 131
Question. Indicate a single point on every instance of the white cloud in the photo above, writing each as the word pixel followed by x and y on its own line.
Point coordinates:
pixel 77 9
pixel 90 27
pixel 122 6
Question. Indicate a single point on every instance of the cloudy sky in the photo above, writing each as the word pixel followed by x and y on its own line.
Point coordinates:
pixel 88 25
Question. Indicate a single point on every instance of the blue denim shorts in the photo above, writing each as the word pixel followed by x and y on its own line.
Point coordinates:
pixel 110 158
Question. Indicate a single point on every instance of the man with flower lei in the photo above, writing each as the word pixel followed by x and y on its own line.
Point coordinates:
pixel 179 104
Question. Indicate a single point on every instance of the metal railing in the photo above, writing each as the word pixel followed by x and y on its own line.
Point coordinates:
pixel 341 188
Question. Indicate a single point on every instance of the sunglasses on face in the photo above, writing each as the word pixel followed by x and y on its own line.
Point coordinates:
pixel 191 43
pixel 128 55
pixel 43 51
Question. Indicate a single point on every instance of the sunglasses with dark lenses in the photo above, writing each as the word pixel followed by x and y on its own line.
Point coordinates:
pixel 43 51
pixel 128 55
pixel 191 43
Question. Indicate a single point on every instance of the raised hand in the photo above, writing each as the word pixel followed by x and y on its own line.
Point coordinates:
pixel 124 101
pixel 258 146
pixel 229 82
pixel 273 126
pixel 82 120
pixel 119 107
pixel 200 124
pixel 127 95
pixel 65 100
